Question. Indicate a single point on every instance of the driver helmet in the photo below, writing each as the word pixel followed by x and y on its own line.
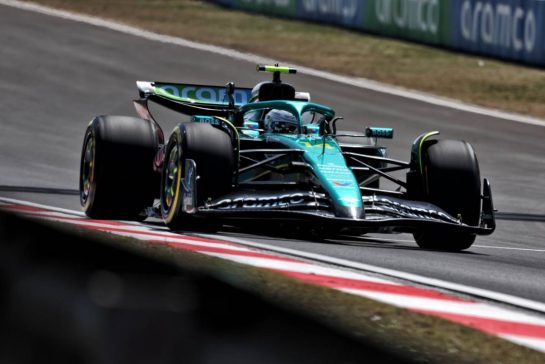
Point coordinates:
pixel 281 121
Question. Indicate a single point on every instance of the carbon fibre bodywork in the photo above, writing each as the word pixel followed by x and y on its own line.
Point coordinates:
pixel 306 175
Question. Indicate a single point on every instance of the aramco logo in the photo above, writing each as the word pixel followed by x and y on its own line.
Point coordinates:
pixel 419 15
pixel 346 9
pixel 505 25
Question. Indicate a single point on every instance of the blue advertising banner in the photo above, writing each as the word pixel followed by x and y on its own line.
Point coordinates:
pixel 509 29
pixel 512 29
pixel 348 13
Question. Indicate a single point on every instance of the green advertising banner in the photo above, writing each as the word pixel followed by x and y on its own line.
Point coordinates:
pixel 287 8
pixel 420 20
pixel 510 29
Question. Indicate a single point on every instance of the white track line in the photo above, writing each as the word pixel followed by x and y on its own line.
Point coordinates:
pixel 505 322
pixel 507 248
pixel 297 267
pixel 254 58
pixel 40 206
pixel 370 239
pixel 537 344
pixel 480 310
pixel 361 83
pixel 472 291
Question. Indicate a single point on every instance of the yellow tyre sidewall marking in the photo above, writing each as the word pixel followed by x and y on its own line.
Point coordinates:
pixel 176 200
pixel 91 178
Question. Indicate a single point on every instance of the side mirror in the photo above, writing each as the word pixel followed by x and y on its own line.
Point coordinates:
pixel 374 132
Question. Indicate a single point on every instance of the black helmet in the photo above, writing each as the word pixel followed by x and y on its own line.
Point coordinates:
pixel 281 121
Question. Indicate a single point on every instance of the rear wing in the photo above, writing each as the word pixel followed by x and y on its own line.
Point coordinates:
pixel 193 99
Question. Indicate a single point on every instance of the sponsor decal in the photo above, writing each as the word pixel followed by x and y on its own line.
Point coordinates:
pixel 421 20
pixel 204 94
pixel 285 200
pixel 409 209
pixel 502 28
pixel 503 24
pixel 419 15
pixel 312 129
pixel 350 200
pixel 333 169
pixel 205 119
pixel 380 132
pixel 342 184
pixel 344 8
pixel 252 125
pixel 508 29
pixel 309 144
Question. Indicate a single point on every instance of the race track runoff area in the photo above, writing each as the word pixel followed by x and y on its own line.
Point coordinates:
pixel 492 325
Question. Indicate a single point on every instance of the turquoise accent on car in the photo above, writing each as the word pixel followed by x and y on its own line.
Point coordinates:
pixel 312 129
pixel 416 150
pixel 254 134
pixel 205 119
pixel 322 153
pixel 375 132
pixel 250 129
pixel 328 163
pixel 252 125
pixel 201 94
pixel 295 107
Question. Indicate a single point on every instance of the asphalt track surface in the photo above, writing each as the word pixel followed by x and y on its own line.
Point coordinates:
pixel 55 75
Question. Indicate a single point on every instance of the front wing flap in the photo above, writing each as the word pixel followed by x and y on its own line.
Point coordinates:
pixel 382 225
pixel 382 213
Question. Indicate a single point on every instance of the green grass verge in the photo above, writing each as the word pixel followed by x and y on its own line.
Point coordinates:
pixel 469 78
pixel 416 337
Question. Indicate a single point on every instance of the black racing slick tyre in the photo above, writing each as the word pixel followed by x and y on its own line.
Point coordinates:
pixel 117 180
pixel 213 153
pixel 452 182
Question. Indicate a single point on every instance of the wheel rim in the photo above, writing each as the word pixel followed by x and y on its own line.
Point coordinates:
pixel 87 169
pixel 172 175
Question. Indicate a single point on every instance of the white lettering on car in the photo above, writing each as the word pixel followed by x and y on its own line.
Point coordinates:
pixel 241 97
pixel 309 199
pixel 206 94
pixel 185 91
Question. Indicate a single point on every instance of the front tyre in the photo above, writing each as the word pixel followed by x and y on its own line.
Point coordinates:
pixel 452 182
pixel 212 151
pixel 117 180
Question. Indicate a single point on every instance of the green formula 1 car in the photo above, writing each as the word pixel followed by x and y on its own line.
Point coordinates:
pixel 270 153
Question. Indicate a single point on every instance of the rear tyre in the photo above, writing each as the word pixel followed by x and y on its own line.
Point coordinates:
pixel 117 180
pixel 452 182
pixel 212 151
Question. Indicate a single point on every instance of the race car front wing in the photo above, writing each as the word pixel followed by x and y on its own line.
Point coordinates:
pixel 382 213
